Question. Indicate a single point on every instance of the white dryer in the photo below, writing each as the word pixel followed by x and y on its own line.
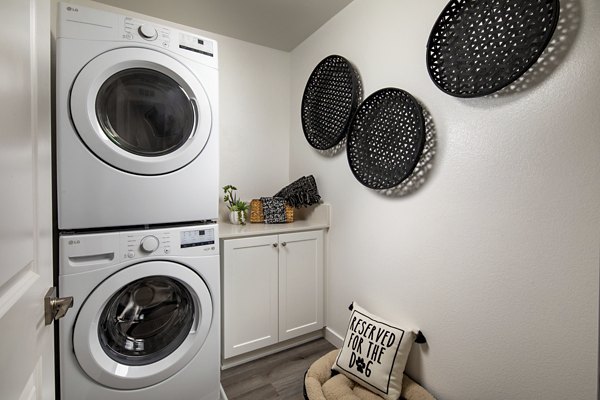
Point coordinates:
pixel 145 320
pixel 136 122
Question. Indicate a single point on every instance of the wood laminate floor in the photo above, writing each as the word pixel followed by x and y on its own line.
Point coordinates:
pixel 275 377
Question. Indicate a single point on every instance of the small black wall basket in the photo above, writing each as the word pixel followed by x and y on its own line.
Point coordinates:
pixel 330 99
pixel 386 138
pixel 477 47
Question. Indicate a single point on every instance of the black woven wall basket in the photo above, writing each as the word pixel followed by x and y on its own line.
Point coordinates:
pixel 477 47
pixel 386 138
pixel 330 100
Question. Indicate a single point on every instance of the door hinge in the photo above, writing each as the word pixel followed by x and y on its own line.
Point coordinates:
pixel 55 307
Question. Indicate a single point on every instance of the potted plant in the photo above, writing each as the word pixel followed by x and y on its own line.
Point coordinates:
pixel 237 208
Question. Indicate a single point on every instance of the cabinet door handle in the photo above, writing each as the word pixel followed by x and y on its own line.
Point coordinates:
pixel 274 244
pixel 283 244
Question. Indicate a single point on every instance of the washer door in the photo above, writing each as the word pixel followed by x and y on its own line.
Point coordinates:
pixel 140 111
pixel 142 325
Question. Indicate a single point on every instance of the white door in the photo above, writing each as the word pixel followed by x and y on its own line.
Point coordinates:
pixel 26 343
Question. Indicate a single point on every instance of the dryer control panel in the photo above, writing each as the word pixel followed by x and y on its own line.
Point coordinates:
pixel 86 23
pixel 169 38
pixel 137 29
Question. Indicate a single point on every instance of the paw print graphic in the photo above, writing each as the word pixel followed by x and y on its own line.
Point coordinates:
pixel 360 365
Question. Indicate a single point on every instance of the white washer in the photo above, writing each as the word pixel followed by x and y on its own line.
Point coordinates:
pixel 136 122
pixel 145 322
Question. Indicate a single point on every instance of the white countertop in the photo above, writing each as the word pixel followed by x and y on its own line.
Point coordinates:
pixel 305 219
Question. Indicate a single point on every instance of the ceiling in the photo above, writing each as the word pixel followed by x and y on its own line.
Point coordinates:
pixel 279 24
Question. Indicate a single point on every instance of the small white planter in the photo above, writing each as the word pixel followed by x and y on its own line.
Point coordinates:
pixel 234 217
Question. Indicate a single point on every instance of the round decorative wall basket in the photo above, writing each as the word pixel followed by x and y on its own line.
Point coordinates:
pixel 477 47
pixel 386 138
pixel 330 99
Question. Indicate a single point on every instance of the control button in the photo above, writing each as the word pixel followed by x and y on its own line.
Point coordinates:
pixel 149 244
pixel 130 254
pixel 167 250
pixel 148 32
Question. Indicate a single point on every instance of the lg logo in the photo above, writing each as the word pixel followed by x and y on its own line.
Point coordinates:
pixel 72 242
pixel 72 9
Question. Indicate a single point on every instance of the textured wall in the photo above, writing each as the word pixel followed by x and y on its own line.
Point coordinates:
pixel 496 256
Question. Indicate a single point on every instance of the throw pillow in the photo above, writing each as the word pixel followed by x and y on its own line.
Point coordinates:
pixel 374 353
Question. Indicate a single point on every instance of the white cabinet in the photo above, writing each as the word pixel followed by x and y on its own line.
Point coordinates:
pixel 250 294
pixel 272 289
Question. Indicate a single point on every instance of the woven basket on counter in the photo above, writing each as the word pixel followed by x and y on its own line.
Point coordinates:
pixel 256 212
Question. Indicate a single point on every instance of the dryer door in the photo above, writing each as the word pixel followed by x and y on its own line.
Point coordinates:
pixel 140 111
pixel 142 325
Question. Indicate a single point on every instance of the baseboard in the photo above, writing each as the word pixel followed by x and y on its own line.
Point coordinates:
pixel 223 394
pixel 276 348
pixel 333 337
pixel 329 334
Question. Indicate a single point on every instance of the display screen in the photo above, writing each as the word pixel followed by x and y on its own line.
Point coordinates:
pixel 197 238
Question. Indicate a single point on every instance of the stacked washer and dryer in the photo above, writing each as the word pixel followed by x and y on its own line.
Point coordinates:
pixel 137 190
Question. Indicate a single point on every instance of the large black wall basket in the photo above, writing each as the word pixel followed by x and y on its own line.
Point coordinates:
pixel 477 47
pixel 386 138
pixel 330 100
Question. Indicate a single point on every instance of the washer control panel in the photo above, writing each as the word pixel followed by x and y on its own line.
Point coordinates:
pixel 80 252
pixel 192 240
pixel 197 237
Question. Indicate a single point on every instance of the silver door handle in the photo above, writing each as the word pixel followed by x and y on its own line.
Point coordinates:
pixel 283 244
pixel 274 244
pixel 55 307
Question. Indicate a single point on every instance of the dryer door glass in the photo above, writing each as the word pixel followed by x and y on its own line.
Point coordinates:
pixel 145 112
pixel 146 320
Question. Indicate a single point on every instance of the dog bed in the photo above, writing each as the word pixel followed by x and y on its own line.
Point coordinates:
pixel 319 384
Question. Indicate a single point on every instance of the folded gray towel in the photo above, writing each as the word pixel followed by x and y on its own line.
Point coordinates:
pixel 302 192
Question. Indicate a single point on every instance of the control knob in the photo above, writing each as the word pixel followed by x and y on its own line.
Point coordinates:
pixel 149 243
pixel 148 32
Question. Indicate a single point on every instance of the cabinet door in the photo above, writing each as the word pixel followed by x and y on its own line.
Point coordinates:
pixel 300 283
pixel 250 290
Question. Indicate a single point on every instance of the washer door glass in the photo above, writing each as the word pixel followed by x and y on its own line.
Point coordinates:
pixel 146 320
pixel 145 112
pixel 143 324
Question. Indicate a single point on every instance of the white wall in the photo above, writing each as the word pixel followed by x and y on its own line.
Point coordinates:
pixel 255 101
pixel 496 257
pixel 254 106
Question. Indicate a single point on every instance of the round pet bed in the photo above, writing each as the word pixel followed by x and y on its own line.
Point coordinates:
pixel 319 384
